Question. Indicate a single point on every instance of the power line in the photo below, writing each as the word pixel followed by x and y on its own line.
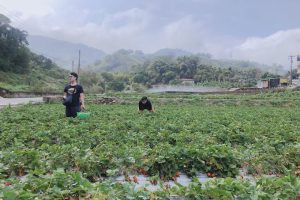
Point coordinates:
pixel 72 65
pixel 19 21
pixel 78 63
pixel 291 73
pixel 9 14
pixel 56 60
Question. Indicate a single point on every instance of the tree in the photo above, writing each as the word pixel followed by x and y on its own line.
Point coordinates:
pixel 187 66
pixel 268 75
pixel 116 86
pixel 158 68
pixel 107 76
pixel 14 55
pixel 168 76
pixel 140 78
pixel 4 19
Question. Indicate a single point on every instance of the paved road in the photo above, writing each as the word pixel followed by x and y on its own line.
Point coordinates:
pixel 19 101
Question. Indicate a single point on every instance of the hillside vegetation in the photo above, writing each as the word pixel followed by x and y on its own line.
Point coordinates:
pixel 128 69
pixel 64 53
pixel 20 69
pixel 23 70
pixel 244 151
pixel 124 59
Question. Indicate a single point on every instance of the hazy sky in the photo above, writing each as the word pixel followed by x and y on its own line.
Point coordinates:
pixel 267 31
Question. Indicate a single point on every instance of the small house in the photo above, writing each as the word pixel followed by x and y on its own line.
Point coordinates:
pixel 268 83
pixel 265 83
pixel 284 82
pixel 187 81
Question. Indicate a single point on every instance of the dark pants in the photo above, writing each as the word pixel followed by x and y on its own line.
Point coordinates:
pixel 71 111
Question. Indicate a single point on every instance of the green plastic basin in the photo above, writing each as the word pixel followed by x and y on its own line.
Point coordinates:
pixel 83 115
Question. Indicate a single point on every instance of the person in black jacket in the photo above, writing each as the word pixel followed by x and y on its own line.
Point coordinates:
pixel 145 104
pixel 74 90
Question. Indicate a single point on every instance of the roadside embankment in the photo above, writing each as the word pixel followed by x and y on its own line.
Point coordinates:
pixel 19 101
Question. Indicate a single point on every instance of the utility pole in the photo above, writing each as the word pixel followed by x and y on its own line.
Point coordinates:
pixel 72 65
pixel 298 67
pixel 78 64
pixel 291 73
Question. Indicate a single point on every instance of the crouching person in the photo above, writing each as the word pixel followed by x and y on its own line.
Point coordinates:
pixel 145 104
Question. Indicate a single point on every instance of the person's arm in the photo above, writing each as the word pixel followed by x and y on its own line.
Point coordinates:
pixel 140 109
pixel 65 92
pixel 81 100
pixel 151 107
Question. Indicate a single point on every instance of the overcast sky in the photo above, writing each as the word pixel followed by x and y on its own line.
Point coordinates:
pixel 266 31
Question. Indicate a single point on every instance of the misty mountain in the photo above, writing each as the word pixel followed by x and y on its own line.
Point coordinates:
pixel 121 60
pixel 171 52
pixel 125 59
pixel 63 53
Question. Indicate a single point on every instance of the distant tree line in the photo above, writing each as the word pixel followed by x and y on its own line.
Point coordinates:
pixel 164 70
pixel 167 71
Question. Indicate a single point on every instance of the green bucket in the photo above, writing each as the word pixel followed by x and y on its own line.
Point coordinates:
pixel 83 115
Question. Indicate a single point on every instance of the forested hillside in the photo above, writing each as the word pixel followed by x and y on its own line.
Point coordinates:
pixel 135 70
pixel 22 70
pixel 124 59
pixel 62 52
pixel 171 71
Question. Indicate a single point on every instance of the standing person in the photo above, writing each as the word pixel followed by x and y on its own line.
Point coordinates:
pixel 73 94
pixel 144 103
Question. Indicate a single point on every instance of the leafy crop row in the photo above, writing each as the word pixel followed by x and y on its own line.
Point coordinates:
pixel 42 153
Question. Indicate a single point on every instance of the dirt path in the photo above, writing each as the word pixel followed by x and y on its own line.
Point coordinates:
pixel 19 101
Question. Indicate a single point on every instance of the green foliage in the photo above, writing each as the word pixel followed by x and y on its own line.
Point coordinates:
pixel 60 158
pixel 169 68
pixel 38 79
pixel 14 55
pixel 164 67
pixel 268 75
pixel 116 86
pixel 122 60
pixel 165 70
pixel 22 70
pixel 4 19
pixel 187 66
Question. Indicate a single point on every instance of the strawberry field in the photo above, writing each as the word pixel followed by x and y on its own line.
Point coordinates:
pixel 44 155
